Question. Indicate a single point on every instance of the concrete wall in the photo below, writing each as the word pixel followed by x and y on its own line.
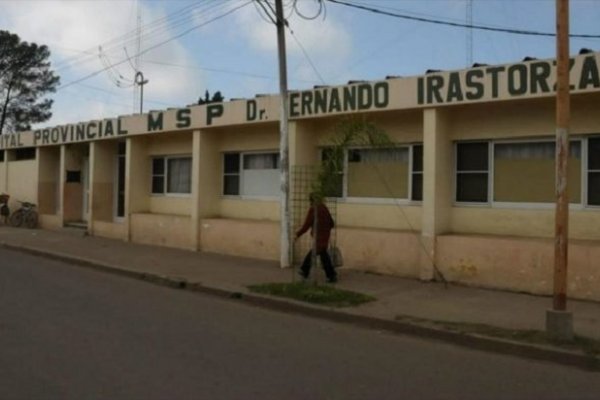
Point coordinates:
pixel 22 182
pixel 161 230
pixel 103 172
pixel 110 230
pixel 246 238
pixel 49 180
pixel 380 250
pixel 518 264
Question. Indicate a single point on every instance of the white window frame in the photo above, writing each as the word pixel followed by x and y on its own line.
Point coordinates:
pixel 520 205
pixel 240 173
pixel 166 159
pixel 377 200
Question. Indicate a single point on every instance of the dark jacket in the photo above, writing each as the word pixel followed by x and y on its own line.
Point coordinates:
pixel 324 226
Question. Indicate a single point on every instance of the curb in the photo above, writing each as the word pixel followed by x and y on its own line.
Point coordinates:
pixel 463 339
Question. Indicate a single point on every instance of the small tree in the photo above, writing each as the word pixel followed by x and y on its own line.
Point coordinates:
pixel 347 133
pixel 25 77
pixel 216 98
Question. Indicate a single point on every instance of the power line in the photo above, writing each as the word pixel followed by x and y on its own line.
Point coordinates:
pixel 153 30
pixel 156 45
pixel 307 56
pixel 457 24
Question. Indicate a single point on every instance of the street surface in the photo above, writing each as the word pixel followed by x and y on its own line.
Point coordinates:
pixel 68 332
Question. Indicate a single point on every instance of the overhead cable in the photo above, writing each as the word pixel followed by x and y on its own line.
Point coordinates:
pixel 457 24
pixel 156 45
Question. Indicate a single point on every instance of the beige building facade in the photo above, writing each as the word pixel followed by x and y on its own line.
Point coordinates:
pixel 467 188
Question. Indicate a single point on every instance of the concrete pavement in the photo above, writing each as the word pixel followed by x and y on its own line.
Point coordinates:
pixel 396 297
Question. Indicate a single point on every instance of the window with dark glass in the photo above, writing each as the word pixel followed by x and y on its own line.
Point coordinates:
pixel 593 172
pixel 472 170
pixel 417 173
pixel 231 174
pixel 27 153
pixel 171 175
pixel 334 187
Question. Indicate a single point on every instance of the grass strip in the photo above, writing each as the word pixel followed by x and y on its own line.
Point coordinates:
pixel 587 345
pixel 309 292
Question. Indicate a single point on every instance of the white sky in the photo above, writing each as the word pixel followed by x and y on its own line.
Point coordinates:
pixel 237 53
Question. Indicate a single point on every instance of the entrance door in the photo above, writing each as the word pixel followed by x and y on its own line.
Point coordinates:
pixel 119 187
pixel 85 181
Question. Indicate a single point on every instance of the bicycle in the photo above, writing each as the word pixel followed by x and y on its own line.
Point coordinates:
pixel 26 215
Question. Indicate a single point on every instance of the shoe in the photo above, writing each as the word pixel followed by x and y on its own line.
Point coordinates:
pixel 332 279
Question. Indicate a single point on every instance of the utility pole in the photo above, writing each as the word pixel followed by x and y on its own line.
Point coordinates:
pixel 559 322
pixel 284 257
pixel 140 81
pixel 138 49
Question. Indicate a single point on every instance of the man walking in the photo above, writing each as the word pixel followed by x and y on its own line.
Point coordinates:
pixel 324 225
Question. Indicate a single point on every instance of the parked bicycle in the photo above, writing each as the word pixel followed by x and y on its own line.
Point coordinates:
pixel 25 216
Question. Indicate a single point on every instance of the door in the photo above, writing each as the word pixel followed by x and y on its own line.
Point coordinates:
pixel 119 185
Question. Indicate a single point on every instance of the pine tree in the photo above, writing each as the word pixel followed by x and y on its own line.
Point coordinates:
pixel 25 78
pixel 216 98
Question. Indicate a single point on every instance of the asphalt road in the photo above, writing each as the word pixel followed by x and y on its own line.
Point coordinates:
pixel 68 332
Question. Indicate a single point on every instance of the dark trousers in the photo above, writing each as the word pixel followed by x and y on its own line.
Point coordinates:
pixel 325 261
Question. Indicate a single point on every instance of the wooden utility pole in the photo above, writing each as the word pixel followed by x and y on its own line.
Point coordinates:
pixel 559 321
pixel 284 205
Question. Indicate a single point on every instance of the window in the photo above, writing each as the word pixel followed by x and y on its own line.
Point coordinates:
pixel 251 174
pixel 378 173
pixel 334 188
pixel 27 153
pixel 120 192
pixel 417 173
pixel 171 175
pixel 1 155
pixel 523 172
pixel 593 172
pixel 472 172
pixel 231 175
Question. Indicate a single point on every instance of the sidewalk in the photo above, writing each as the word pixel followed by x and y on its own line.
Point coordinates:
pixel 226 274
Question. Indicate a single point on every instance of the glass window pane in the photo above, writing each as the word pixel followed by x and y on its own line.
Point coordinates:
pixel 594 188
pixel 417 187
pixel 121 147
pixel 158 166
pixel 121 205
pixel 379 173
pixel 525 172
pixel 231 185
pixel 594 153
pixel 334 186
pixel 232 163
pixel 417 158
pixel 121 174
pixel 328 155
pixel 180 175
pixel 158 184
pixel 261 182
pixel 261 161
pixel 472 187
pixel 472 156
